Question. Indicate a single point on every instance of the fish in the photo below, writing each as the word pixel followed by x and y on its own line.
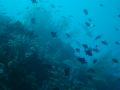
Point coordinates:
pixel 27 7
pixel 118 8
pixel 87 24
pixel 32 34
pixel 117 42
pixel 56 88
pixel 95 50
pixel 67 35
pixel 98 37
pixel 89 52
pixel 33 20
pixel 90 20
pixel 101 4
pixel 94 61
pixel 33 1
pixel 67 71
pixel 89 77
pixel 82 60
pixel 118 15
pixel 91 70
pixel 53 34
pixel 114 60
pixel 85 46
pixel 96 46
pixel 85 11
pixel 87 30
pixel 104 42
pixel 71 16
pixel 117 29
pixel 52 6
pixel 77 49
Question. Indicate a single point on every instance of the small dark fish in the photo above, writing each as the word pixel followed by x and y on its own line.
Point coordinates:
pixel 33 20
pixel 98 37
pixel 118 15
pixel 85 11
pixel 104 42
pixel 115 60
pixel 91 70
pixel 71 16
pixel 89 52
pixel 88 24
pixel 96 50
pixel 52 6
pixel 53 34
pixel 94 61
pixel 33 1
pixel 90 20
pixel 56 88
pixel 90 77
pixel 96 46
pixel 117 29
pixel 27 7
pixel 67 71
pixel 119 79
pixel 32 34
pixel 101 4
pixel 68 35
pixel 118 8
pixel 82 60
pixel 117 43
pixel 77 49
pixel 85 46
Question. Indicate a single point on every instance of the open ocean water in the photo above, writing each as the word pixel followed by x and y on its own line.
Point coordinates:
pixel 59 44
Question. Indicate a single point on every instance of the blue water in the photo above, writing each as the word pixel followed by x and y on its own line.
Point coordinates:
pixel 63 28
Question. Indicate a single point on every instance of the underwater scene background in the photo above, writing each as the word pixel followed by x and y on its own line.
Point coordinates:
pixel 59 44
